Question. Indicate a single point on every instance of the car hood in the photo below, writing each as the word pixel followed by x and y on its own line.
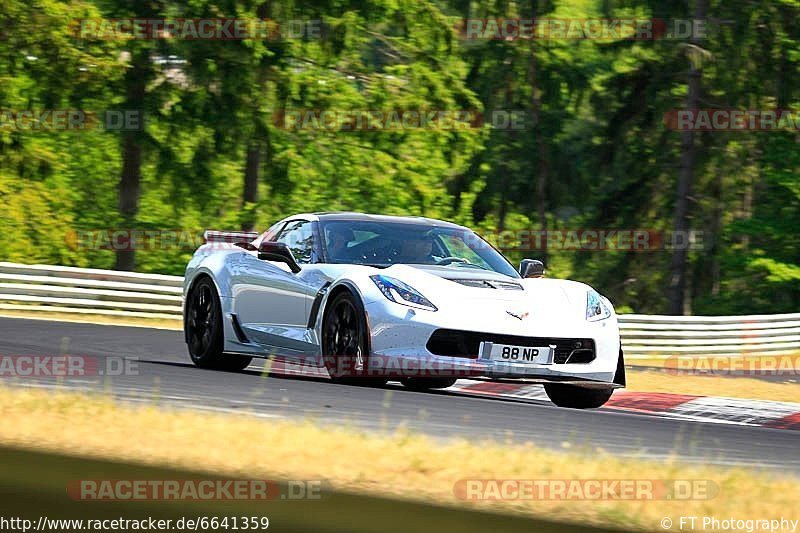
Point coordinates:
pixel 488 292
pixel 470 290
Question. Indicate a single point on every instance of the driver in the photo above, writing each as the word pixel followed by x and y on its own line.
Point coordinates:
pixel 338 237
pixel 417 249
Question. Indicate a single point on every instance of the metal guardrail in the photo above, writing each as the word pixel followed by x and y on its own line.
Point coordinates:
pixel 651 335
pixel 130 294
pixel 89 291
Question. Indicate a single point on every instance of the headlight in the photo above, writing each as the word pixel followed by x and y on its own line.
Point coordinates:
pixel 596 309
pixel 400 293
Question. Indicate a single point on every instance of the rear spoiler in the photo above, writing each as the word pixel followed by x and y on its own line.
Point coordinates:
pixel 232 237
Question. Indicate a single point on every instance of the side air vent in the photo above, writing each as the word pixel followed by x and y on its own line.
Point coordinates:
pixel 237 328
pixel 489 284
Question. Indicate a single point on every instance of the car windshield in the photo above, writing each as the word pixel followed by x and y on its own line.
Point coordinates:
pixel 384 244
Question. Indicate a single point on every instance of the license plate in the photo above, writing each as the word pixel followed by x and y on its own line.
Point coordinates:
pixel 508 353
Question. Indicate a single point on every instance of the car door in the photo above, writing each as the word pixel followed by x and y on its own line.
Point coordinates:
pixel 271 303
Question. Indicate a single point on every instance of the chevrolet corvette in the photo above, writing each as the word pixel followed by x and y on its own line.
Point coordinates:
pixel 372 298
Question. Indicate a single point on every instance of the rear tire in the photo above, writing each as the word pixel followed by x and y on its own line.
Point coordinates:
pixel 423 384
pixel 203 327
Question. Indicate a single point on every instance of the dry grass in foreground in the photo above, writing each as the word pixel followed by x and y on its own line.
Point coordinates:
pixel 401 465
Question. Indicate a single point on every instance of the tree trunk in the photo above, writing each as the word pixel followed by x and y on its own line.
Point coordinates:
pixel 541 196
pixel 716 234
pixel 250 193
pixel 257 145
pixel 131 176
pixel 676 294
pixel 503 212
pixel 541 175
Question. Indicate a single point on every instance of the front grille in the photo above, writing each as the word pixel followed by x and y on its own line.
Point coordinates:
pixel 457 343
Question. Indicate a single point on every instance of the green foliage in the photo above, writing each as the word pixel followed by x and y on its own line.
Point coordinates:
pixel 595 151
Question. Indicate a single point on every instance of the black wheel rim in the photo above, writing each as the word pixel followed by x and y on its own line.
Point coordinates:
pixel 343 335
pixel 202 315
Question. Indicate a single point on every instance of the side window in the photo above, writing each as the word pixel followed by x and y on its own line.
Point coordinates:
pixel 299 237
pixel 272 232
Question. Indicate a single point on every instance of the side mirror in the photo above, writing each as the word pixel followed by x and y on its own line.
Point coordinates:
pixel 278 251
pixel 531 268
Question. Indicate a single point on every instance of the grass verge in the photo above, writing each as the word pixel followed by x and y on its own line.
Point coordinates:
pixel 728 386
pixel 402 465
pixel 173 324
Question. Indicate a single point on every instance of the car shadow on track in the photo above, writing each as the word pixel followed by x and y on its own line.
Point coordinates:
pixel 261 372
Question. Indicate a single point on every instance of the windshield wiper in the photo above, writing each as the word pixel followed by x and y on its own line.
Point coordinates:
pixel 470 265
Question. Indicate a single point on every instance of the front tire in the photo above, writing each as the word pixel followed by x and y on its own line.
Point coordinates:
pixel 345 341
pixel 203 326
pixel 576 397
pixel 582 398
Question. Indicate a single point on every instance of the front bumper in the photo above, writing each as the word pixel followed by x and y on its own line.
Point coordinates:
pixel 402 344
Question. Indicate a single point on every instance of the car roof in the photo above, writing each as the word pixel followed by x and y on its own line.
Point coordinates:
pixel 366 217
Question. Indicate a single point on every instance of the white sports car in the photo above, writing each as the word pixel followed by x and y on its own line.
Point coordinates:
pixel 371 298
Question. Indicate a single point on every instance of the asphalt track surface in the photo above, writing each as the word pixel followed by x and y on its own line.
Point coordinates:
pixel 164 374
